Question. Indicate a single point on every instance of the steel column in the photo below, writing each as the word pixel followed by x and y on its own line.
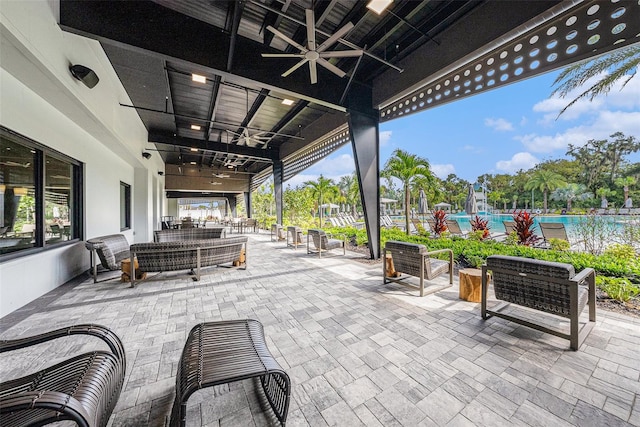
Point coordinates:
pixel 247 203
pixel 278 173
pixel 363 128
pixel 232 205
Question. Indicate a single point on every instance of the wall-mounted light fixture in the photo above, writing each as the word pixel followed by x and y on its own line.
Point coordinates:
pixel 160 173
pixel 85 75
pixel 146 155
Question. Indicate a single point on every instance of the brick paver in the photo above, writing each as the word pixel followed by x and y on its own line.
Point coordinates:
pixel 358 352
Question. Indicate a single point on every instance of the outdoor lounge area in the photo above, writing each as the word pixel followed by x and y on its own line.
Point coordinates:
pixel 357 352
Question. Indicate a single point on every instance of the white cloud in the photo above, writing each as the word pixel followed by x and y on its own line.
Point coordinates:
pixel 501 125
pixel 619 97
pixel 518 161
pixel 385 137
pixel 604 124
pixel 441 171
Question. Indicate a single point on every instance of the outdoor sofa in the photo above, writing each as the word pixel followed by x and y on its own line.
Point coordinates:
pixel 549 287
pixel 188 255
pixel 178 235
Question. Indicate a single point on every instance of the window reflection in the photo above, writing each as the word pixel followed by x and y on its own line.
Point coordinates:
pixel 57 200
pixel 17 201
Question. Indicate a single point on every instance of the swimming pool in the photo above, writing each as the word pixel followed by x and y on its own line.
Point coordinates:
pixel 496 225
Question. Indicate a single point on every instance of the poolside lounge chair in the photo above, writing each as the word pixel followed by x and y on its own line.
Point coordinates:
pixel 414 260
pixel 322 242
pixel 554 230
pixel 294 236
pixel 454 228
pixel 509 227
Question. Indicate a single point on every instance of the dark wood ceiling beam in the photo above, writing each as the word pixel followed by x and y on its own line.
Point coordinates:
pixel 147 27
pixel 237 6
pixel 257 103
pixel 220 147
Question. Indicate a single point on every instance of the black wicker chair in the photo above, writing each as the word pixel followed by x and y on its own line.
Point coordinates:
pixel 550 287
pixel 83 389
pixel 111 250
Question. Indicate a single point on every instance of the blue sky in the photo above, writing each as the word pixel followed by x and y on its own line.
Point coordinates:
pixel 500 131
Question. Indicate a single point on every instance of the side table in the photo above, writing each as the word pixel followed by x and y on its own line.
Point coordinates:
pixel 471 284
pixel 125 266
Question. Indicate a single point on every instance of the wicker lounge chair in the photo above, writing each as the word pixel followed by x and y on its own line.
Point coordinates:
pixel 294 236
pixel 550 287
pixel 111 250
pixel 277 232
pixel 414 260
pixel 223 352
pixel 322 242
pixel 83 389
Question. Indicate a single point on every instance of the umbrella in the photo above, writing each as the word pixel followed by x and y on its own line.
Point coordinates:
pixel 423 206
pixel 470 205
pixel 604 203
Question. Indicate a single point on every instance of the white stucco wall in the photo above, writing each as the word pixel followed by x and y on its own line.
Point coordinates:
pixel 41 100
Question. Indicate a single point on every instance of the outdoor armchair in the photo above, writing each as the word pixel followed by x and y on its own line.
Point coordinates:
pixel 83 389
pixel 323 242
pixel 550 287
pixel 414 260
pixel 111 250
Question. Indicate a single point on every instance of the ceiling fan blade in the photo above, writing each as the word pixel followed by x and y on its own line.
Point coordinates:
pixel 311 29
pixel 341 53
pixel 329 66
pixel 313 72
pixel 282 55
pixel 334 38
pixel 287 39
pixel 295 67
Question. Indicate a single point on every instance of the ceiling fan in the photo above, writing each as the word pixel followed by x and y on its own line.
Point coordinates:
pixel 245 138
pixel 221 175
pixel 313 54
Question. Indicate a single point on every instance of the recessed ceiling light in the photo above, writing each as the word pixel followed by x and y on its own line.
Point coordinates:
pixel 378 6
pixel 193 149
pixel 193 163
pixel 198 78
pixel 230 166
pixel 196 127
pixel 287 101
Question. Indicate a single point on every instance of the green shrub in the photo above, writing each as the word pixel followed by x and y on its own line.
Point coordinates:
pixel 618 288
pixel 476 236
pixel 618 250
pixel 559 244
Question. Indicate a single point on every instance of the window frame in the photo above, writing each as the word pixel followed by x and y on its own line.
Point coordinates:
pixel 127 206
pixel 76 195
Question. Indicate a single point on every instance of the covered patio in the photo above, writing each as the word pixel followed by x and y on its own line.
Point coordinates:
pixel 358 352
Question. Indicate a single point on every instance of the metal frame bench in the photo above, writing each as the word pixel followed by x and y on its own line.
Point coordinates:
pixel 83 389
pixel 550 287
pixel 223 352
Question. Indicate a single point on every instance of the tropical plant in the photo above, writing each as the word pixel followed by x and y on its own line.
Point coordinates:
pixel 571 192
pixel 611 68
pixel 618 288
pixel 595 232
pixel 625 183
pixel 407 168
pixel 524 228
pixel 440 222
pixel 323 190
pixel 480 224
pixel 545 181
pixel 559 244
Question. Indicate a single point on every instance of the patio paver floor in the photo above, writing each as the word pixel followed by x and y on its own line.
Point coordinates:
pixel 358 352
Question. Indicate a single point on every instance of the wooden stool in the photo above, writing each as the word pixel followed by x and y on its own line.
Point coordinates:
pixel 125 266
pixel 391 270
pixel 471 284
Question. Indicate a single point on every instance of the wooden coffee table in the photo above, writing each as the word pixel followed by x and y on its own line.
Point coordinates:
pixel 125 266
pixel 471 284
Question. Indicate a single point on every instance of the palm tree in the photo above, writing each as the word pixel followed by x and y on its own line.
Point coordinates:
pixel 545 181
pixel 621 64
pixel 625 183
pixel 571 192
pixel 407 168
pixel 322 189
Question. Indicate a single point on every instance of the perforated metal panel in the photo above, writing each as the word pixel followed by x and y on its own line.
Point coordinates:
pixel 260 177
pixel 315 152
pixel 564 36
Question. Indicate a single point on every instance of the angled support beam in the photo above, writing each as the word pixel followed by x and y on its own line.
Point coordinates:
pixel 264 155
pixel 363 128
pixel 238 7
pixel 257 103
pixel 213 106
pixel 232 205
pixel 284 121
pixel 278 173
pixel 273 20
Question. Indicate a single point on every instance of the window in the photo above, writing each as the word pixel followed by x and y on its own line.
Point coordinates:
pixel 40 192
pixel 125 206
